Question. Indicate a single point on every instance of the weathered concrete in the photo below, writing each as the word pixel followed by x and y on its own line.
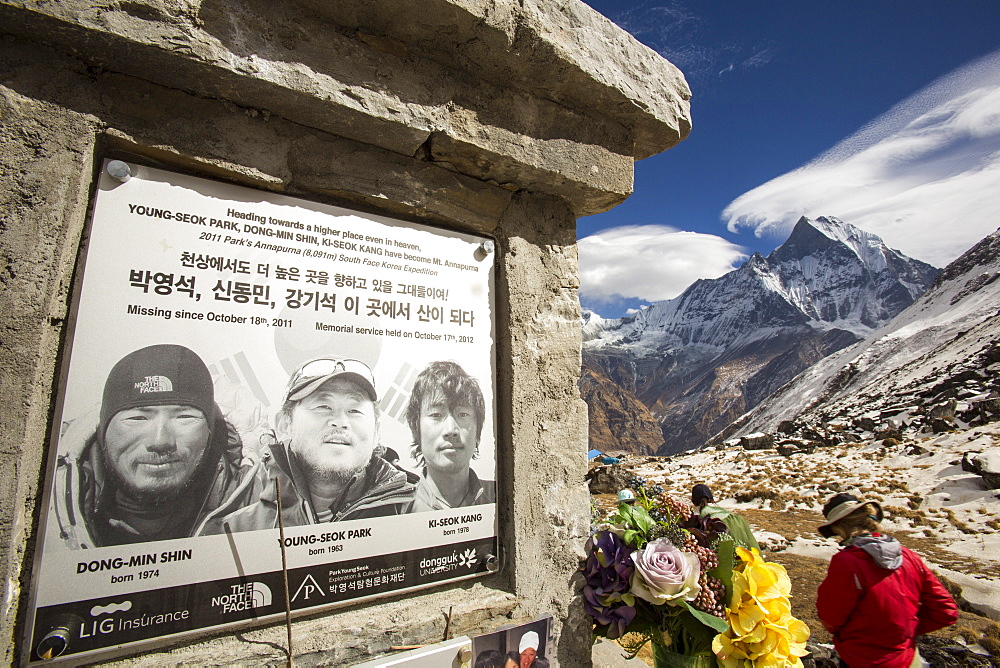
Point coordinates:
pixel 509 119
pixel 551 94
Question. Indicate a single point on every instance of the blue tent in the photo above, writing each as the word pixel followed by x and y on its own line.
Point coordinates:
pixel 594 453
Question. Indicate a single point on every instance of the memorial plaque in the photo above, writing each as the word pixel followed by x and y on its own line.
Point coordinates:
pixel 242 363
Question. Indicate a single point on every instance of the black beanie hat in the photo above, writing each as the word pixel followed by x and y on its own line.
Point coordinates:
pixel 160 375
pixel 699 492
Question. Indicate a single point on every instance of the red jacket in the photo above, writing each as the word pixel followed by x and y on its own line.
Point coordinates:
pixel 875 612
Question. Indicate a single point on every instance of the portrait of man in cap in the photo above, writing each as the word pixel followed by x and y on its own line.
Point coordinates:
pixel 528 649
pixel 326 458
pixel 162 462
pixel 445 414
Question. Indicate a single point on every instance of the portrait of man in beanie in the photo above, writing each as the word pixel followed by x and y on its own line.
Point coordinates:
pixel 326 459
pixel 162 461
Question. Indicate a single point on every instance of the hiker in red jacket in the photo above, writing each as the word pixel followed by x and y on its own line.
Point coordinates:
pixel 878 596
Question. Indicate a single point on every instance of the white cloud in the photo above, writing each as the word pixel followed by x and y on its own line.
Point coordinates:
pixel 925 176
pixel 650 262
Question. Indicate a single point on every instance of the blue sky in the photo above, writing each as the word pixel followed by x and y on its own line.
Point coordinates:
pixel 883 113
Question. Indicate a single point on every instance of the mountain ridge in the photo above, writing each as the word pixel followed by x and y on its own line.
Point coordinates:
pixel 943 337
pixel 711 354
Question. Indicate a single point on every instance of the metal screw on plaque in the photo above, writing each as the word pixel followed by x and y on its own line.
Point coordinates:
pixel 57 640
pixel 484 249
pixel 119 171
pixel 465 655
pixel 492 563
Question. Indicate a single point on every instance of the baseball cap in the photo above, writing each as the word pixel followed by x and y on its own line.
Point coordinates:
pixel 158 375
pixel 840 506
pixel 529 639
pixel 312 374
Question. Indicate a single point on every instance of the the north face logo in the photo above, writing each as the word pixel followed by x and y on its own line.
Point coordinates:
pixel 154 384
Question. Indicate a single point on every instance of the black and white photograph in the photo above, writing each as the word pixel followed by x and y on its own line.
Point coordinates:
pixel 242 364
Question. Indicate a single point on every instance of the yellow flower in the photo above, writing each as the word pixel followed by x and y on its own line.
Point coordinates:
pixel 728 653
pixel 762 631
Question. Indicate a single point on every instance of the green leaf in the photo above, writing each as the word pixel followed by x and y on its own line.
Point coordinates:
pixel 642 519
pixel 699 637
pixel 726 549
pixel 711 621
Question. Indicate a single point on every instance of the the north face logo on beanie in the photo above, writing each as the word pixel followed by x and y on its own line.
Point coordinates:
pixel 155 384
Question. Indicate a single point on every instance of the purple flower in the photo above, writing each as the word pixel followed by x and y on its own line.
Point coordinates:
pixel 705 529
pixel 608 570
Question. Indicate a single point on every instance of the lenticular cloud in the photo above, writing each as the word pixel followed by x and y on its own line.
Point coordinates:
pixel 925 176
pixel 650 262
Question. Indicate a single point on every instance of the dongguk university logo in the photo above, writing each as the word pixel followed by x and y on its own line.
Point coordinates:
pixel 467 559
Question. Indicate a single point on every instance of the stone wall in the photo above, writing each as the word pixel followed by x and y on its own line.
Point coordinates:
pixel 504 118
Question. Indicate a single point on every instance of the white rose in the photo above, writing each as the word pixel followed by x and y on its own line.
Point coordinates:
pixel 664 574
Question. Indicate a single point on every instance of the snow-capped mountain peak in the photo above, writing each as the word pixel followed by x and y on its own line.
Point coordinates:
pixel 828 274
pixel 723 344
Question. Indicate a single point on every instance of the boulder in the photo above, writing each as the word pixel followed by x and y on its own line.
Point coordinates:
pixel 939 425
pixel 865 424
pixel 944 653
pixel 787 427
pixel 990 406
pixel 770 541
pixel 945 411
pixel 757 441
pixel 889 429
pixel 608 479
pixel 788 449
pixel 820 656
pixel 985 464
pixel 813 434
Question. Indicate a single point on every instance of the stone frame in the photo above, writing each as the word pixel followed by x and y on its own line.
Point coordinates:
pixel 410 118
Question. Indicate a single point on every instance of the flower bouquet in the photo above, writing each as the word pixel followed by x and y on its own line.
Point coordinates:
pixel 659 573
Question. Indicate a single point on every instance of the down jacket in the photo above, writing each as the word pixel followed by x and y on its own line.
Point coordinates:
pixel 378 490
pixel 226 481
pixel 877 597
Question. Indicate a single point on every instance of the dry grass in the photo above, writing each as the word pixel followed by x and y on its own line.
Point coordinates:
pixel 916 517
pixel 959 524
pixel 990 639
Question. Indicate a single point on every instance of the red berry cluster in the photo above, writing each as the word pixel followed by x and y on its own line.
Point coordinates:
pixel 679 509
pixel 711 598
pixel 706 555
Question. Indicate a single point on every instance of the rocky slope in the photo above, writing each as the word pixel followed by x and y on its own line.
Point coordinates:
pixel 618 421
pixel 942 348
pixel 699 361
pixel 933 503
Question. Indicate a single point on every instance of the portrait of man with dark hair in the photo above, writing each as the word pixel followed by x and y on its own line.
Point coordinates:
pixel 162 461
pixel 445 414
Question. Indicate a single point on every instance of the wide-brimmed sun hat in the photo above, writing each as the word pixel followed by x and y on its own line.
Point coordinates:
pixel 840 506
